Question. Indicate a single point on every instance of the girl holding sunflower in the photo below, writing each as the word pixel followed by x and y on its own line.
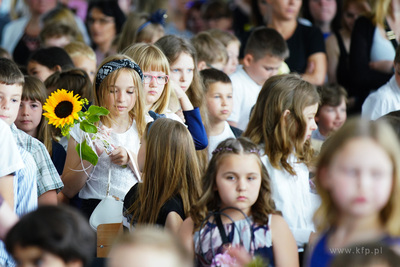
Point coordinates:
pixel 118 88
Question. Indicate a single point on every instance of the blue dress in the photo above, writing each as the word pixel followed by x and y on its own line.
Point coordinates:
pixel 240 232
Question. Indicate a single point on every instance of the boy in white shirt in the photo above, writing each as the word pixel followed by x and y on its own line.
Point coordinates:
pixel 218 96
pixel 265 52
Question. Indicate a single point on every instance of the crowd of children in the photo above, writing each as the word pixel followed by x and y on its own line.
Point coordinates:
pixel 220 147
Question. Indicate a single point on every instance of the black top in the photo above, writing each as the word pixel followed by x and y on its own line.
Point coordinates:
pixel 304 42
pixel 174 204
pixel 364 78
pixel 58 156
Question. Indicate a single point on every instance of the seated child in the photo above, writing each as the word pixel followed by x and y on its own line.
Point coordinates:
pixel 232 45
pixel 218 96
pixel 211 53
pixel 331 113
pixel 265 52
pixel 83 57
pixel 52 236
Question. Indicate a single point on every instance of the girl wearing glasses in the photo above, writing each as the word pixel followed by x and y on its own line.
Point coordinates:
pixel 157 90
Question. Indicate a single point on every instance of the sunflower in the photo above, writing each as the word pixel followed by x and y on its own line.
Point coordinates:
pixel 62 108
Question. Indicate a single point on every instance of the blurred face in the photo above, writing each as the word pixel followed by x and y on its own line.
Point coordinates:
pixel 330 118
pixel 182 71
pixel 39 71
pixel 57 41
pixel 238 181
pixel 323 10
pixel 102 28
pixel 10 99
pixel 263 6
pixel 39 7
pixel 285 9
pixel 154 82
pixel 35 257
pixel 262 69
pixel 351 14
pixel 87 64
pixel 233 58
pixel 219 101
pixel 359 178
pixel 309 115
pixel 121 96
pixel 29 116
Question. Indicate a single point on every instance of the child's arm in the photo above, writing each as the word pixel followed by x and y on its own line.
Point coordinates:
pixel 73 176
pixel 284 245
pixel 185 234
pixel 316 69
pixel 173 222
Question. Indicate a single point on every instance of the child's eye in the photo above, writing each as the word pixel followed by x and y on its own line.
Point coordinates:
pixel 112 91
pixel 216 96
pixel 230 178
pixel 14 100
pixel 131 92
pixel 175 70
pixel 189 70
pixel 251 178
pixel 34 105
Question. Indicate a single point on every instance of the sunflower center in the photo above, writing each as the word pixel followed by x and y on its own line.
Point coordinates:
pixel 63 109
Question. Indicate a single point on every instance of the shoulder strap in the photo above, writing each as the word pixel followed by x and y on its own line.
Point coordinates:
pixel 221 229
pixel 390 35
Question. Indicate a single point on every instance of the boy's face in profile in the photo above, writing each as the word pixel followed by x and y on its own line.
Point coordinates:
pixel 10 99
pixel 262 69
pixel 33 256
pixel 219 101
pixel 331 118
pixel 87 64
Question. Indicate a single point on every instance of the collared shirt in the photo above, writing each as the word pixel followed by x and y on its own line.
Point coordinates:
pixel 47 176
pixel 385 100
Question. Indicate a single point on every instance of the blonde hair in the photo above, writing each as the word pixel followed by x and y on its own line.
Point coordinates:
pixel 130 32
pixel 101 93
pixel 76 49
pixel 283 135
pixel 35 90
pixel 226 38
pixel 170 168
pixel 380 9
pixel 327 214
pixel 209 49
pixel 150 58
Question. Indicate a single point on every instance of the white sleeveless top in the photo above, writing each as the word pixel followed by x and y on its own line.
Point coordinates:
pixel 382 48
pixel 122 178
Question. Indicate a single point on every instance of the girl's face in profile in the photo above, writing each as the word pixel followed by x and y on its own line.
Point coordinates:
pixel 238 181
pixel 122 95
pixel 309 115
pixel 359 178
pixel 29 116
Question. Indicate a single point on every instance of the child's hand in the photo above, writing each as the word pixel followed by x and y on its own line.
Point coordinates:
pixel 241 255
pixel 119 156
pixel 177 89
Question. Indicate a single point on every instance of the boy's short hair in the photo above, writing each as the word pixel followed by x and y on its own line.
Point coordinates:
pixel 266 41
pixel 208 49
pixel 51 57
pixel 4 53
pixel 75 49
pixel 224 37
pixel 59 230
pixel 56 30
pixel 10 73
pixel 332 94
pixel 210 76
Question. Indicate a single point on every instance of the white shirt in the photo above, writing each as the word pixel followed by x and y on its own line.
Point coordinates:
pixel 10 159
pixel 383 101
pixel 245 94
pixel 213 141
pixel 293 197
pixel 122 178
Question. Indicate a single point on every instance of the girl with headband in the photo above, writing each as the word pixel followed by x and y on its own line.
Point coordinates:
pixel 118 88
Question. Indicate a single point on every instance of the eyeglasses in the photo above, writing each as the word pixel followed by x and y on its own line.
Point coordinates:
pixel 161 79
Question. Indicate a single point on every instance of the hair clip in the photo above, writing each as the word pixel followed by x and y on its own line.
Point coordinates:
pixel 254 150
pixel 158 17
pixel 217 150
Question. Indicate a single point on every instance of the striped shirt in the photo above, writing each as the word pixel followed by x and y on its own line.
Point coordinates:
pixel 47 176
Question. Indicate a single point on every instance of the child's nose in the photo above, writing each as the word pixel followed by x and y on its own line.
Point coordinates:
pixel 5 104
pixel 313 125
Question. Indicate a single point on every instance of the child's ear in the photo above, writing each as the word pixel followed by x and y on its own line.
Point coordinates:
pixel 57 68
pixel 201 65
pixel 247 60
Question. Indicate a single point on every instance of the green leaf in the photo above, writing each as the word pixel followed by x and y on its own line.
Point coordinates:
pixel 87 153
pixel 93 118
pixel 99 111
pixel 88 127
pixel 81 114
